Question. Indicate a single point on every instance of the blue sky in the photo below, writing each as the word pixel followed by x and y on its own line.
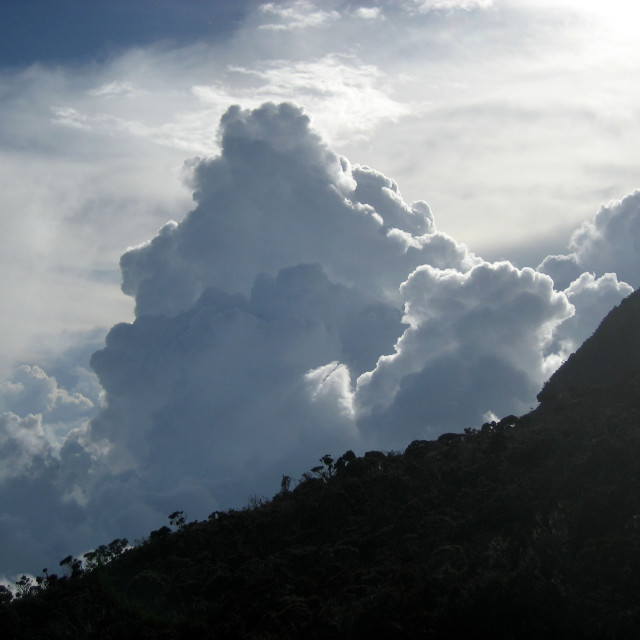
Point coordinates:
pixel 75 31
pixel 238 236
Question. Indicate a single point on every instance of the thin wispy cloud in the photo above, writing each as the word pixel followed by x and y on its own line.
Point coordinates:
pixel 296 15
pixel 425 6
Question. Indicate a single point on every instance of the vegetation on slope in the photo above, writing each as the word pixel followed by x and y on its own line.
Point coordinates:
pixel 526 528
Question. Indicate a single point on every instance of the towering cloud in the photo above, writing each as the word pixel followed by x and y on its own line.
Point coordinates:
pixel 276 197
pixel 302 307
pixel 297 309
pixel 255 312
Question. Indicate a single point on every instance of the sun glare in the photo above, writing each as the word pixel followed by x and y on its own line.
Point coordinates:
pixel 618 16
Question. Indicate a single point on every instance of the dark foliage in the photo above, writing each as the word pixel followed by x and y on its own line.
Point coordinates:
pixel 525 528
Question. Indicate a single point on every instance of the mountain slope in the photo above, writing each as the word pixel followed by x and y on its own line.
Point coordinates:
pixel 526 528
pixel 610 358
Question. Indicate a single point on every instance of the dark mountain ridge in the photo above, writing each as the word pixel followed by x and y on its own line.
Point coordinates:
pixel 524 528
pixel 607 360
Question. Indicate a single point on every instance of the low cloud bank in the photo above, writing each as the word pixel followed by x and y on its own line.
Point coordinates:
pixel 302 307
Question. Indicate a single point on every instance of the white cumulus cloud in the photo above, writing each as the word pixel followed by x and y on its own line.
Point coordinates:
pixel 475 341
pixel 610 243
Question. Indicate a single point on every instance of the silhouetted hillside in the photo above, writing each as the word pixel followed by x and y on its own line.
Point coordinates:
pixel 525 528
pixel 608 359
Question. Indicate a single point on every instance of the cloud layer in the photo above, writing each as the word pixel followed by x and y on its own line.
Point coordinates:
pixel 301 308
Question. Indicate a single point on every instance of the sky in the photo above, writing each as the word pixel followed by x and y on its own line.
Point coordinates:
pixel 240 236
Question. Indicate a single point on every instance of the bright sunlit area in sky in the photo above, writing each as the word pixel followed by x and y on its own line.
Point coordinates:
pixel 618 15
pixel 237 236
